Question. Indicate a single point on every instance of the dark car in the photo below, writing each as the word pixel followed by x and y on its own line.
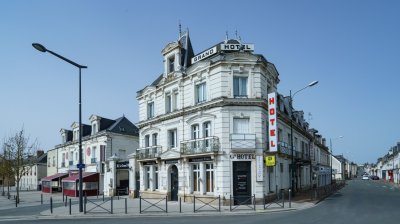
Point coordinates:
pixel 374 178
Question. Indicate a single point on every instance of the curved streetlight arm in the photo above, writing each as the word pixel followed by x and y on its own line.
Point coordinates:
pixel 66 59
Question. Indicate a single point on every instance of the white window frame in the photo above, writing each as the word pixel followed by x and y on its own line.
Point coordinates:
pixel 150 109
pixel 196 177
pixel 210 180
pixel 201 93
pixel 240 84
pixel 173 132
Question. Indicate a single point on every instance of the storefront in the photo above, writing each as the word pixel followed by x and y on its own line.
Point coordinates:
pixel 52 183
pixel 90 185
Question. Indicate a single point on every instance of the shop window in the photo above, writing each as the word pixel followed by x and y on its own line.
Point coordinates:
pixel 196 177
pixel 209 177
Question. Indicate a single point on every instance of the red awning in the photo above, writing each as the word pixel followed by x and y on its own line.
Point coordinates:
pixel 55 176
pixel 87 177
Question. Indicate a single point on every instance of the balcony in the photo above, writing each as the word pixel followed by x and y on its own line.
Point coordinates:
pixel 200 146
pixel 151 152
pixel 243 142
pixel 284 148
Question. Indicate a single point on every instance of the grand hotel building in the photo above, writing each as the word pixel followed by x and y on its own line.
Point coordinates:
pixel 204 129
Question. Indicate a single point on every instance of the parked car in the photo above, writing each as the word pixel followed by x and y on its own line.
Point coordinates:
pixel 374 178
pixel 365 177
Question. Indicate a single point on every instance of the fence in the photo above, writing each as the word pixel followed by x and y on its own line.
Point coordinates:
pixel 277 199
pixel 206 202
pixel 242 202
pixel 149 203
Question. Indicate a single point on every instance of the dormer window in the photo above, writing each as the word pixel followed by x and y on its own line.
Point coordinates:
pixel 94 128
pixel 150 110
pixel 171 64
pixel 76 135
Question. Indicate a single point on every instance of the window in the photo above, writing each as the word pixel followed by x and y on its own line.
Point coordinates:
pixel 240 125
pixel 209 177
pixel 93 154
pixel 280 135
pixel 168 103
pixel 172 138
pixel 147 173
pixel 150 110
pixel 200 93
pixel 281 167
pixel 196 178
pixel 154 139
pixel 207 133
pixel 156 177
pixel 94 128
pixel 146 140
pixel 174 101
pixel 195 131
pixel 239 86
pixel 171 64
pixel 54 161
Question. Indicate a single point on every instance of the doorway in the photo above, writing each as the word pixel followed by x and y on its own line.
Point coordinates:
pixel 174 184
pixel 242 182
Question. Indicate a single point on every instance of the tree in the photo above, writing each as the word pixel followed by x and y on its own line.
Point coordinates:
pixel 18 151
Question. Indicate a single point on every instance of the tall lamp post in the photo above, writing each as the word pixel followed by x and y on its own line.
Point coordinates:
pixel 330 145
pixel 41 48
pixel 291 130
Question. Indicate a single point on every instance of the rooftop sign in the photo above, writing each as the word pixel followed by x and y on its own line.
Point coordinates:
pixel 222 47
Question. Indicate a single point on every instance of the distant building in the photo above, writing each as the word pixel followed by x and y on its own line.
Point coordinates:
pixel 102 139
pixel 34 172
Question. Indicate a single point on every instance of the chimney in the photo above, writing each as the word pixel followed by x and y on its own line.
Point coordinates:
pixel 324 141
pixel 39 153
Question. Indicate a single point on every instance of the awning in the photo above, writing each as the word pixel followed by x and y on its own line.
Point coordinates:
pixel 55 176
pixel 86 177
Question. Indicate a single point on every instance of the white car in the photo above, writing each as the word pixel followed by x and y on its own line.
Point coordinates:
pixel 365 177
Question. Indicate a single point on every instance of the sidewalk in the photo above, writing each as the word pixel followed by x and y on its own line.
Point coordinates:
pixel 97 208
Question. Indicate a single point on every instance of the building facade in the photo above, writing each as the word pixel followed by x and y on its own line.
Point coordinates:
pixel 31 178
pixel 101 140
pixel 204 127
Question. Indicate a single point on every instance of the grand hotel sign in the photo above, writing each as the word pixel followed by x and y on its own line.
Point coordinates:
pixel 222 47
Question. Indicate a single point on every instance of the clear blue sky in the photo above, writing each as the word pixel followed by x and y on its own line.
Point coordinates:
pixel 351 47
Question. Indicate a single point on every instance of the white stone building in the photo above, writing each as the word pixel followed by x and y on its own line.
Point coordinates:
pixel 204 129
pixel 34 172
pixel 102 139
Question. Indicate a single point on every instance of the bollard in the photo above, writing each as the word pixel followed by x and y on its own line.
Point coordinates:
pixel 126 206
pixel 63 197
pixel 194 203
pixel 230 202
pixel 70 206
pixel 41 199
pixel 66 200
pixel 140 204
pixel 166 204
pixel 290 198
pixel 103 196
pixel 254 196
pixel 283 199
pixel 112 205
pixel 219 203
pixel 180 205
pixel 84 205
pixel 51 205
pixel 16 202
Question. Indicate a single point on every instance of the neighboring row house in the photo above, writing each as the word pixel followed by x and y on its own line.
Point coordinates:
pixel 204 128
pixel 34 172
pixel 388 166
pixel 106 145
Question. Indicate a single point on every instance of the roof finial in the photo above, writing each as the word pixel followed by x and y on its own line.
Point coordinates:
pixel 180 29
pixel 226 37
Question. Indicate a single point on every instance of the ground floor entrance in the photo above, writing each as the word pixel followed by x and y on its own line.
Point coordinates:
pixel 241 176
pixel 174 183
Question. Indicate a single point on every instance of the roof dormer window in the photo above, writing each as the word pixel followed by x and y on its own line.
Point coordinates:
pixel 171 64
pixel 94 128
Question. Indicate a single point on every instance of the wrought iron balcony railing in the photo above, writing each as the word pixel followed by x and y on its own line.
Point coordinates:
pixel 200 145
pixel 150 152
pixel 243 141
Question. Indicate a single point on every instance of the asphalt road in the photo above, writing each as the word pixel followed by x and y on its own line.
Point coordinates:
pixel 359 202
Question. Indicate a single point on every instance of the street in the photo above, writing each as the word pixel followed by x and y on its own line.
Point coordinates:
pixel 360 201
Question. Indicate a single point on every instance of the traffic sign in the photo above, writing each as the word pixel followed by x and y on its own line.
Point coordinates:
pixel 80 166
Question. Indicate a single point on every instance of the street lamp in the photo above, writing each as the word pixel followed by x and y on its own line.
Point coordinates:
pixel 292 176
pixel 41 48
pixel 330 145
